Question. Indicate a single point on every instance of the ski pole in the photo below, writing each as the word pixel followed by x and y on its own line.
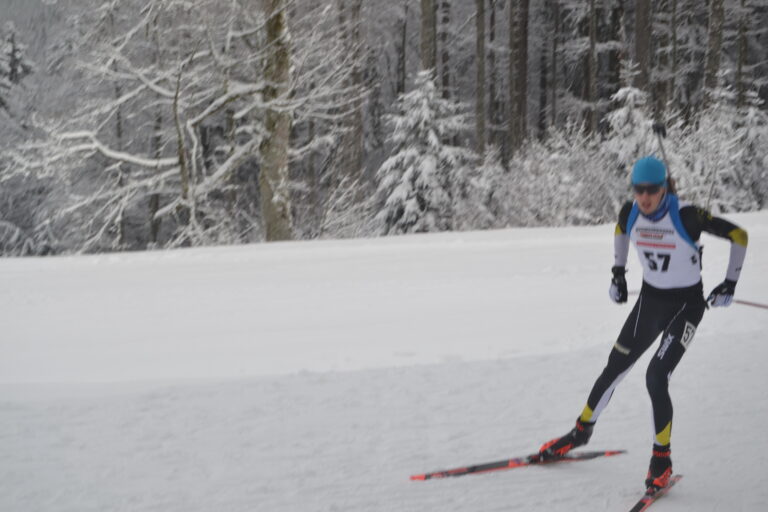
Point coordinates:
pixel 661 131
pixel 749 303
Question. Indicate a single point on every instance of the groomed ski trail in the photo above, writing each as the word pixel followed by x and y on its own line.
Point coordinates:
pixel 477 346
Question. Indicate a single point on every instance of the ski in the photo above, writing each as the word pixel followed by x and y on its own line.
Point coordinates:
pixel 529 460
pixel 649 498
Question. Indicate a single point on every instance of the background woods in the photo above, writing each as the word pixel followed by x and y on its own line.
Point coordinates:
pixel 130 125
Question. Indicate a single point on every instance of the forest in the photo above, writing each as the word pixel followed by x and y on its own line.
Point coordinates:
pixel 139 125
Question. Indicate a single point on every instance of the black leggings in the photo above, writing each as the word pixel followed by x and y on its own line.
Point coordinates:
pixel 676 319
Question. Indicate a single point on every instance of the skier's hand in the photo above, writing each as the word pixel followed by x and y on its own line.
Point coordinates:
pixel 618 289
pixel 722 295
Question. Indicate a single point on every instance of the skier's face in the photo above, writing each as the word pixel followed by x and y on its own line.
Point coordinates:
pixel 648 197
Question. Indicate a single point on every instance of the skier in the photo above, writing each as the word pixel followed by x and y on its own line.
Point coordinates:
pixel 671 303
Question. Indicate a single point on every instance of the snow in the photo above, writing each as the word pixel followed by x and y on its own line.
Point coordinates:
pixel 318 376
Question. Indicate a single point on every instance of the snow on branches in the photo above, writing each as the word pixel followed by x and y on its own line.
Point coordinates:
pixel 425 179
pixel 176 122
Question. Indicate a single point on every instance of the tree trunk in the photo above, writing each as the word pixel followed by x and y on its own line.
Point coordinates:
pixel 518 76
pixel 402 52
pixel 445 54
pixel 313 176
pixel 592 70
pixel 154 199
pixel 118 132
pixel 742 59
pixel 555 40
pixel 157 149
pixel 543 70
pixel 428 47
pixel 673 36
pixel 119 146
pixel 14 63
pixel 435 16
pixel 522 71
pixel 643 30
pixel 480 87
pixel 273 178
pixel 513 51
pixel 351 158
pixel 660 83
pixel 493 118
pixel 357 79
pixel 617 55
pixel 715 44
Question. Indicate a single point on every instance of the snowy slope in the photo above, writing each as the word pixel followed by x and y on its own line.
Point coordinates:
pixel 319 376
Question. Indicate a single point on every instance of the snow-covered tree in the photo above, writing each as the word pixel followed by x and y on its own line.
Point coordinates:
pixel 17 196
pixel 566 179
pixel 14 63
pixel 754 141
pixel 425 177
pixel 630 136
pixel 146 122
pixel 273 175
pixel 723 166
pixel 187 109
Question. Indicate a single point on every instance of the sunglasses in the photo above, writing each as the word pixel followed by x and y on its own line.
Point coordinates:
pixel 650 189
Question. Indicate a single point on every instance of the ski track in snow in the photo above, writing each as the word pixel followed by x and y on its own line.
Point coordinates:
pixel 479 346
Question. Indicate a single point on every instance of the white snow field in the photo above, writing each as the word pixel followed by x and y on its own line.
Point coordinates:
pixel 318 376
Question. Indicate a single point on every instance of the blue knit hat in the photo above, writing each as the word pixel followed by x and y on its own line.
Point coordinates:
pixel 649 170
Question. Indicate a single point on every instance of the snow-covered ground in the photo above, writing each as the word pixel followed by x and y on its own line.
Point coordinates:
pixel 318 376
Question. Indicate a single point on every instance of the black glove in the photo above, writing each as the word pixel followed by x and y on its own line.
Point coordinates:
pixel 618 289
pixel 722 295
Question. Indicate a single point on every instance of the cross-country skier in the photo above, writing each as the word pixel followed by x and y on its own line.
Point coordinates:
pixel 665 232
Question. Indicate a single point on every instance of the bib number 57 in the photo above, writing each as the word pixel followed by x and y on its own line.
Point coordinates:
pixel 658 262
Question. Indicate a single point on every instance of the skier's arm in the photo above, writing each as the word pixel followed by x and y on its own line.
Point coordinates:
pixel 739 239
pixel 701 220
pixel 698 220
pixel 618 290
pixel 621 237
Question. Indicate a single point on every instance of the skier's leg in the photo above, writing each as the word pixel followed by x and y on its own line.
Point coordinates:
pixel 638 333
pixel 640 330
pixel 674 343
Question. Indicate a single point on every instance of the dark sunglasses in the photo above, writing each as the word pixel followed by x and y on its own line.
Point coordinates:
pixel 650 189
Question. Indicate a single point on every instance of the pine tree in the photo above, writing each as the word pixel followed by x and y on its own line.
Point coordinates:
pixel 722 161
pixel 422 182
pixel 14 64
pixel 754 142
pixel 630 123
pixel 18 195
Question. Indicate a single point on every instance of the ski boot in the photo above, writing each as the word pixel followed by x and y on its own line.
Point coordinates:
pixel 558 447
pixel 660 469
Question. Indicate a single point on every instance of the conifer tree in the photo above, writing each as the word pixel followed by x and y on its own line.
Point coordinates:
pixel 14 64
pixel 721 155
pixel 630 122
pixel 424 179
